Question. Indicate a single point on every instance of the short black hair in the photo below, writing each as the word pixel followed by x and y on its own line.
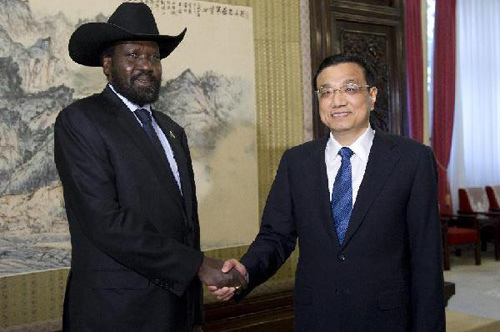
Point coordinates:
pixel 377 116
pixel 337 59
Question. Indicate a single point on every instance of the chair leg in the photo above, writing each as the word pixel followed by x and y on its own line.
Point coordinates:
pixel 477 253
pixel 446 262
pixel 446 256
pixel 496 240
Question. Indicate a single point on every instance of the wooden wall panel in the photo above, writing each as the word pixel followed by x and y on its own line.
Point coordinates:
pixel 373 29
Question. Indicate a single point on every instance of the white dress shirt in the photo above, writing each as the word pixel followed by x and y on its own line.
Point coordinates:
pixel 161 136
pixel 361 148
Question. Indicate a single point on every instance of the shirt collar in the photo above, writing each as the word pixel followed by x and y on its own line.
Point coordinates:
pixel 361 147
pixel 131 106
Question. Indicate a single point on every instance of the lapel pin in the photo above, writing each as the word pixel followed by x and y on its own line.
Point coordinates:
pixel 172 134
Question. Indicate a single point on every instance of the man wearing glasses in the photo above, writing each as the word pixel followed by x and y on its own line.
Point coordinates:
pixel 363 205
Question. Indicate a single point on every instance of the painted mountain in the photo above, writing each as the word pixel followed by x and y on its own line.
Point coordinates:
pixel 34 68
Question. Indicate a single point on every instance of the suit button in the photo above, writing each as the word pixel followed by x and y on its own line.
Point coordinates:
pixel 341 257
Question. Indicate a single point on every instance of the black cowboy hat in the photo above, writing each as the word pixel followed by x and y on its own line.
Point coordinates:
pixel 130 21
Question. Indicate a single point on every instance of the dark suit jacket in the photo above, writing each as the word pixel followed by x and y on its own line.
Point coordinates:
pixel 135 239
pixel 387 276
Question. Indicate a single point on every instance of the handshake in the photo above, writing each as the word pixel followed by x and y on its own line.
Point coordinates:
pixel 224 279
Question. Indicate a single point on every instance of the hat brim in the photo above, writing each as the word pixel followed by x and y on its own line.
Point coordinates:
pixel 90 39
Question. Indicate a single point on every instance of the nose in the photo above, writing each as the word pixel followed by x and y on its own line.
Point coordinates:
pixel 144 63
pixel 337 100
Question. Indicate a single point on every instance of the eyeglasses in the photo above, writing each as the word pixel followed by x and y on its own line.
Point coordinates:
pixel 349 89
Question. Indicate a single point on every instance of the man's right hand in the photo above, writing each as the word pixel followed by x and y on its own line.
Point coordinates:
pixel 211 274
pixel 226 293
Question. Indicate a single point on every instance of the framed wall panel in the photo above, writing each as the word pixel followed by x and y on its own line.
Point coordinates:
pixel 374 30
pixel 34 300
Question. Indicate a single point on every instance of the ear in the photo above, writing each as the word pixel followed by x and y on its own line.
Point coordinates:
pixel 107 62
pixel 373 97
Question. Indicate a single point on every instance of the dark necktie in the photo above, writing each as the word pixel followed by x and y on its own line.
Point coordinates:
pixel 342 195
pixel 147 126
pixel 146 120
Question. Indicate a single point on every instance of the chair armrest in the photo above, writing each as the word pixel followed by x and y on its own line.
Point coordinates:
pixel 493 214
pixel 461 220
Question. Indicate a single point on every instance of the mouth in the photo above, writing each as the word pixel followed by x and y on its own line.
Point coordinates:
pixel 143 80
pixel 340 115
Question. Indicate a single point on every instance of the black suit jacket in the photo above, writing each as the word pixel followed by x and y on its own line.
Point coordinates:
pixel 387 275
pixel 135 239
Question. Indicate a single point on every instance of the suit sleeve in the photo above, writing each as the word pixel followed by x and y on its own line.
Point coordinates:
pixel 92 201
pixel 425 246
pixel 277 235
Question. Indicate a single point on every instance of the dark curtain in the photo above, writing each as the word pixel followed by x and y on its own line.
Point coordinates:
pixel 444 94
pixel 414 68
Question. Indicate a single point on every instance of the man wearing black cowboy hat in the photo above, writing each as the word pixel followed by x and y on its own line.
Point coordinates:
pixel 129 190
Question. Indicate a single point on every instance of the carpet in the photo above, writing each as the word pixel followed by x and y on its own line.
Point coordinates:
pixel 476 303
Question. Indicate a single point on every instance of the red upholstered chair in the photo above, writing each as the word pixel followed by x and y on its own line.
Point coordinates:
pixel 460 232
pixel 493 193
pixel 474 201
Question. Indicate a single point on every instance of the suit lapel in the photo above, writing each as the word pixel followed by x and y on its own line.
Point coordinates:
pixel 383 157
pixel 129 124
pixel 318 179
pixel 174 138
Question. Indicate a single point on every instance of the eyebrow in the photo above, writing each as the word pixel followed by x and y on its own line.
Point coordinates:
pixel 344 82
